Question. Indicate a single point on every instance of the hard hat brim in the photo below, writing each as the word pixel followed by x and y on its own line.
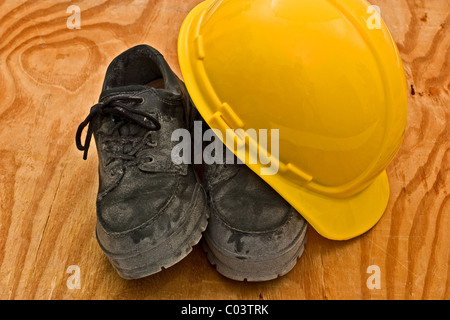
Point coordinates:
pixel 333 218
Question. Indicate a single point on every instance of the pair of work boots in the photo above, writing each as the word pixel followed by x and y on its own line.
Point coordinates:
pixel 152 210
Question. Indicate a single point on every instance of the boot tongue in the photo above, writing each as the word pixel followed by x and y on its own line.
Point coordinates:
pixel 131 90
pixel 129 129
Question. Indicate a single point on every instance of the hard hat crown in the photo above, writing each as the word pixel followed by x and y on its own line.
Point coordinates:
pixel 316 70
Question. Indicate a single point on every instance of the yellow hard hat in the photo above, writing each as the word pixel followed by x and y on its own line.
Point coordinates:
pixel 328 75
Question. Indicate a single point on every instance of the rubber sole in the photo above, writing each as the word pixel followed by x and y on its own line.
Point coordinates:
pixel 172 250
pixel 254 269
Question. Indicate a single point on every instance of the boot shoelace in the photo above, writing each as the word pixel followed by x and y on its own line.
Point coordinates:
pixel 119 106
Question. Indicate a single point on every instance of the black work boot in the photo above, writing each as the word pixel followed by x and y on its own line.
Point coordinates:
pixel 150 211
pixel 253 234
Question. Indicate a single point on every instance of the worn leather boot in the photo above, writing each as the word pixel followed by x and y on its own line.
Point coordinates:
pixel 253 234
pixel 150 211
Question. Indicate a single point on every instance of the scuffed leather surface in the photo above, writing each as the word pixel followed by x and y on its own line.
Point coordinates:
pixel 134 219
pixel 248 218
pixel 142 203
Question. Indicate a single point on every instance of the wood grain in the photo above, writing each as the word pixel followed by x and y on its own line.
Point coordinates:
pixel 49 78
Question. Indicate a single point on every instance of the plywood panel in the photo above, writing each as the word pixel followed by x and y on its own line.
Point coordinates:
pixel 49 78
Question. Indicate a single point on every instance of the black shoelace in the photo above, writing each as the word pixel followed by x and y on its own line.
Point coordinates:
pixel 118 106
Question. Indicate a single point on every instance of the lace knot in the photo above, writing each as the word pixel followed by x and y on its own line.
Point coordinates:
pixel 117 106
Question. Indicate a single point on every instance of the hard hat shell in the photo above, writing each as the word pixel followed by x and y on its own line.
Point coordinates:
pixel 324 74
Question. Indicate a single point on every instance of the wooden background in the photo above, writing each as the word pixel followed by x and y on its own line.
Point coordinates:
pixel 49 78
